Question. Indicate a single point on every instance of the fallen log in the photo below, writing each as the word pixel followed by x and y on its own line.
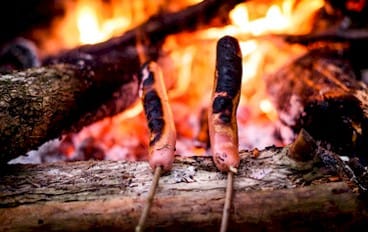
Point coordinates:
pixel 320 92
pixel 272 192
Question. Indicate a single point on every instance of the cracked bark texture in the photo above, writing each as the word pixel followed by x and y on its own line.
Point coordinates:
pixel 272 193
pixel 40 104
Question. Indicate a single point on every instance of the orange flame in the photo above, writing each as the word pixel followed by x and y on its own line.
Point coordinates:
pixel 92 30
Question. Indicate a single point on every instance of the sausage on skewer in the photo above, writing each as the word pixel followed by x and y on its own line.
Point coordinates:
pixel 159 116
pixel 162 129
pixel 222 121
pixel 223 129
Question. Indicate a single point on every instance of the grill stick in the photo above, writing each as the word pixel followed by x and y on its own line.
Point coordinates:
pixel 162 129
pixel 223 129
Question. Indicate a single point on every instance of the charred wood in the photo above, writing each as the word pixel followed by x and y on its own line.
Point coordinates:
pixel 320 93
pixel 152 32
pixel 272 192
pixel 355 11
pixel 303 147
pixel 18 54
pixel 355 41
pixel 335 35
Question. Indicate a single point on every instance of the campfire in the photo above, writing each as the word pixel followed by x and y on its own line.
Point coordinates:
pixel 75 83
pixel 124 136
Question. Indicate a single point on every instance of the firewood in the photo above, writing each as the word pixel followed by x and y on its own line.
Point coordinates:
pixel 154 30
pixel 303 146
pixel 42 103
pixel 320 93
pixel 331 35
pixel 271 192
pixel 18 54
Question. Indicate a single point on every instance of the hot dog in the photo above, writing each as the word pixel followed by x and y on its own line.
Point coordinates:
pixel 223 129
pixel 159 117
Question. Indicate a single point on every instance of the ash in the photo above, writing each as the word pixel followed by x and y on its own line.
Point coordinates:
pixel 46 153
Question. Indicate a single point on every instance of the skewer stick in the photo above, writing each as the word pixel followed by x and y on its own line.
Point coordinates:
pixel 223 128
pixel 149 200
pixel 162 129
pixel 228 200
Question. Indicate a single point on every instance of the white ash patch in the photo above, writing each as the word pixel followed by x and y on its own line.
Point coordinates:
pixel 260 174
pixel 46 153
pixel 184 175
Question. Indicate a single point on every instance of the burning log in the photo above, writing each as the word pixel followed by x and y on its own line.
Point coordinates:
pixel 270 193
pixel 42 103
pixel 154 31
pixel 334 35
pixel 320 93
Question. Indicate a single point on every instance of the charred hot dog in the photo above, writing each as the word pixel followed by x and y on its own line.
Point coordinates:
pixel 159 116
pixel 223 127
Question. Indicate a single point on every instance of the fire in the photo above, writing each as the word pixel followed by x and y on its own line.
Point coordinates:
pixel 188 68
pixel 91 30
pixel 266 107
pixel 288 17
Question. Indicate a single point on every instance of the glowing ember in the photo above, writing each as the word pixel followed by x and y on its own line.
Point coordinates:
pixel 188 68
pixel 266 106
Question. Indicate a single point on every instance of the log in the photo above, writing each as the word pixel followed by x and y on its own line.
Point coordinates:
pixel 42 103
pixel 331 35
pixel 272 192
pixel 355 39
pixel 320 92
pixel 154 30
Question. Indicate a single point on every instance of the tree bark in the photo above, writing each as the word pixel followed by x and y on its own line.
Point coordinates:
pixel 320 92
pixel 271 193
pixel 42 103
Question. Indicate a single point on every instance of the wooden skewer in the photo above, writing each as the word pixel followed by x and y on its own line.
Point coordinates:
pixel 223 128
pixel 228 200
pixel 149 200
pixel 162 129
